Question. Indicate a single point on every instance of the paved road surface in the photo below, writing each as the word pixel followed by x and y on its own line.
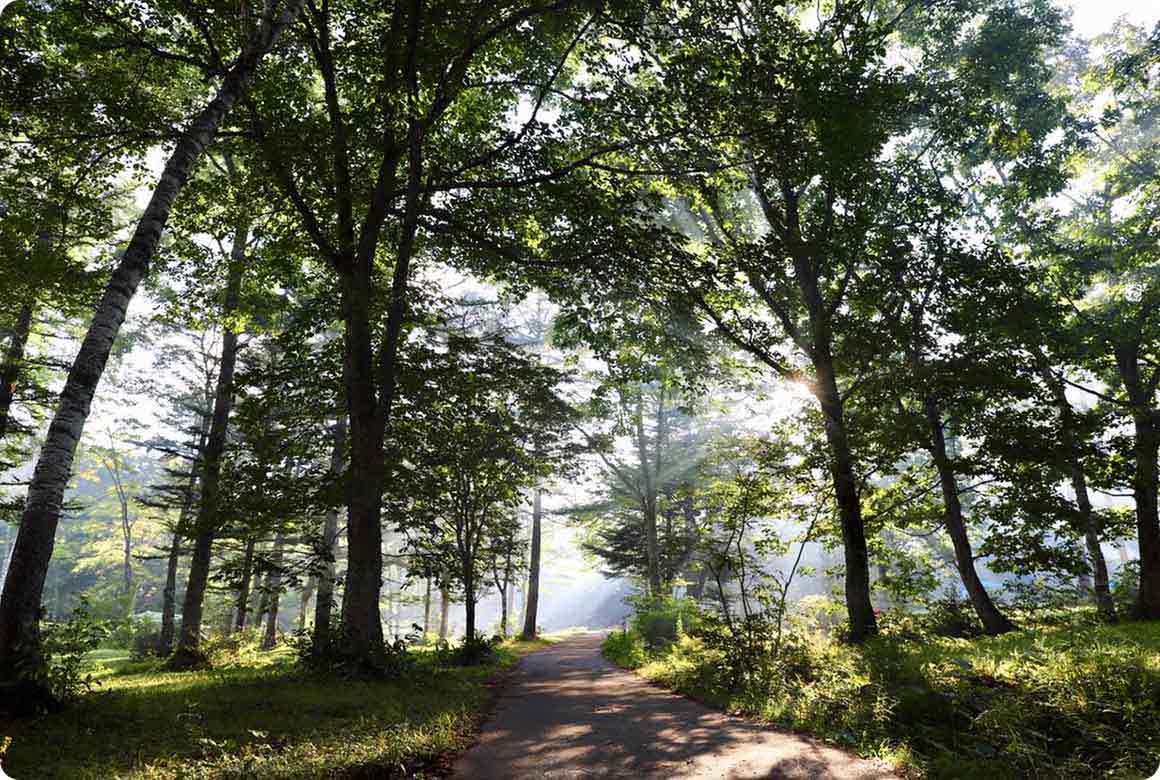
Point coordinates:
pixel 567 713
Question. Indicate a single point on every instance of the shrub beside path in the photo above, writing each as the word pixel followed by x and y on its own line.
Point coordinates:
pixel 566 712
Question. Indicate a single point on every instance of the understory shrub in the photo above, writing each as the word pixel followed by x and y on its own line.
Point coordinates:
pixel 625 649
pixel 62 672
pixel 1049 702
pixel 660 621
pixel 395 659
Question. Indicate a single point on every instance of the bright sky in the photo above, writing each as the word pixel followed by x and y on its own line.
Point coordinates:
pixel 1092 17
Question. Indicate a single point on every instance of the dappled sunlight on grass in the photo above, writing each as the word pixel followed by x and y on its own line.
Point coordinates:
pixel 265 718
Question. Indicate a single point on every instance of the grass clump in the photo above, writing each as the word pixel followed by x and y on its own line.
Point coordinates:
pixel 1051 701
pixel 262 716
pixel 625 649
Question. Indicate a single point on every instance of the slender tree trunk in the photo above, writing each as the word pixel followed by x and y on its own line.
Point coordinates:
pixel 648 500
pixel 20 602
pixel 427 610
pixel 1144 488
pixel 257 606
pixel 275 594
pixel 444 612
pixel 206 527
pixel 1088 521
pixel 994 621
pixel 169 597
pixel 1145 483
pixel 862 621
pixel 532 602
pixel 503 612
pixel 13 364
pixel 324 601
pixel 469 609
pixel 242 603
pixel 304 603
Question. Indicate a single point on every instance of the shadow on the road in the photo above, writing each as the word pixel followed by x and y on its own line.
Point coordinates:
pixel 568 713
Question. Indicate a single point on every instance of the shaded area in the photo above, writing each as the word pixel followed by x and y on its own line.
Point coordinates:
pixel 568 713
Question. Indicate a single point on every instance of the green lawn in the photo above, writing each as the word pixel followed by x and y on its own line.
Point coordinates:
pixel 260 718
pixel 1079 700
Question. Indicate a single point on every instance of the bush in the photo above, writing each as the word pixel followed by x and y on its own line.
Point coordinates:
pixel 395 660
pixel 625 649
pixel 660 621
pixel 477 650
pixel 64 646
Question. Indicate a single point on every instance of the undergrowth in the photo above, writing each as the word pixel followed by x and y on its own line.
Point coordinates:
pixel 1074 700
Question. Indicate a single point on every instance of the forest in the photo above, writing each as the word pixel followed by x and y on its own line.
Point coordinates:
pixel 433 388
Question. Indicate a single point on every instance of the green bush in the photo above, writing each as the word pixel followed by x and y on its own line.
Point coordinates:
pixel 63 672
pixel 660 621
pixel 625 649
pixel 1046 702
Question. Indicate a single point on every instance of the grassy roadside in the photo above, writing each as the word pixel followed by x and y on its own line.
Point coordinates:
pixel 1064 701
pixel 261 717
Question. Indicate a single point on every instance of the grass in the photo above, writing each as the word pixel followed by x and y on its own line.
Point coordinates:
pixel 1050 701
pixel 262 717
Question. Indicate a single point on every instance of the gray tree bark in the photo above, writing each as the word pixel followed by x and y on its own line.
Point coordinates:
pixel 242 604
pixel 13 364
pixel 1088 521
pixel 274 581
pixel 324 601
pixel 532 602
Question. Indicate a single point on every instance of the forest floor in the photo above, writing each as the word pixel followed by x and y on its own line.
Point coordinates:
pixel 566 712
pixel 257 717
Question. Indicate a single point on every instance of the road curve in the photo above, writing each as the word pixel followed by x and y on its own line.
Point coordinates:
pixel 565 712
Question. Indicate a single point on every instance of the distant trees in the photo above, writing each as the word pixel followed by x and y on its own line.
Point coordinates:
pixel 479 423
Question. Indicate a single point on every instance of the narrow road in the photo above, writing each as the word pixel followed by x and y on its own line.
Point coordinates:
pixel 567 713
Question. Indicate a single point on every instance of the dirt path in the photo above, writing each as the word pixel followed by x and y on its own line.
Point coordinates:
pixel 568 713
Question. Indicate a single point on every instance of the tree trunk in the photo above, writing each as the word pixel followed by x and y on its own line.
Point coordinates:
pixel 274 594
pixel 13 363
pixel 257 606
pixel 648 501
pixel 444 612
pixel 242 604
pixel 862 621
pixel 304 603
pixel 1088 521
pixel 169 597
pixel 20 602
pixel 1144 487
pixel 324 601
pixel 532 602
pixel 469 609
pixel 994 621
pixel 503 612
pixel 427 610
pixel 206 527
pixel 361 624
pixel 1141 396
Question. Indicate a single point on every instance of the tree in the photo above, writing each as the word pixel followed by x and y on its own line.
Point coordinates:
pixel 482 421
